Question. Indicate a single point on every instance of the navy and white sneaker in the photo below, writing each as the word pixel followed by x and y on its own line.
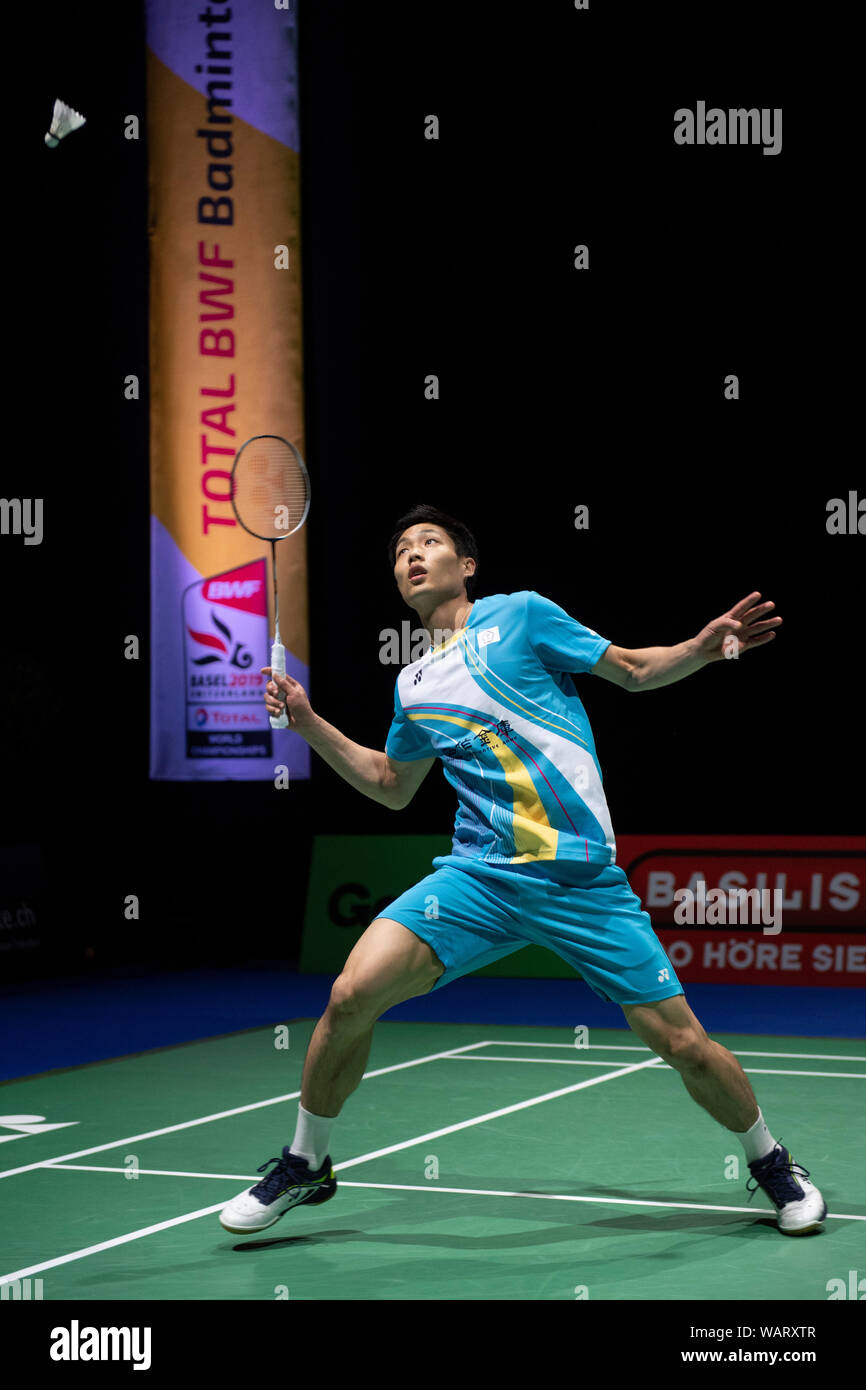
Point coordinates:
pixel 799 1205
pixel 288 1185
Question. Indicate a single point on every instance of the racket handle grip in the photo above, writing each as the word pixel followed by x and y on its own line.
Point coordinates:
pixel 278 667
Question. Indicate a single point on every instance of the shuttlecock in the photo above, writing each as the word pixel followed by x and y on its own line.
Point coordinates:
pixel 63 122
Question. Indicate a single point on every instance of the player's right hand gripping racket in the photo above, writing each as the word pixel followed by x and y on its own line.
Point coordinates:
pixel 271 498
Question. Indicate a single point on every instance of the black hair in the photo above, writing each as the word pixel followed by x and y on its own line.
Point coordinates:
pixel 461 536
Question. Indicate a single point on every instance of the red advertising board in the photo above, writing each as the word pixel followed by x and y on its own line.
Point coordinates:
pixel 754 909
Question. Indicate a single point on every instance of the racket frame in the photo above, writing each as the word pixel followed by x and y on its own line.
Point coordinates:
pixel 278 651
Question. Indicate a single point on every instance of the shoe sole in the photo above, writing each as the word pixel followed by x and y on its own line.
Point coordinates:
pixel 314 1200
pixel 816 1225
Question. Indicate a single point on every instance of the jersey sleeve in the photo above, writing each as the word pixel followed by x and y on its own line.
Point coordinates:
pixel 560 642
pixel 407 741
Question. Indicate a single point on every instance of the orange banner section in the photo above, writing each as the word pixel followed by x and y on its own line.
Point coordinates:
pixel 226 363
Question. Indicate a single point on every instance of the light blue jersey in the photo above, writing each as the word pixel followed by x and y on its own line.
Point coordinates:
pixel 496 702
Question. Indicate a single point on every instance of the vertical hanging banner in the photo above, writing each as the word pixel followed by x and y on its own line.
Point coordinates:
pixel 225 364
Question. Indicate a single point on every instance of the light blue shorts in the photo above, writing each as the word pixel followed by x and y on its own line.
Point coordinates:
pixel 472 917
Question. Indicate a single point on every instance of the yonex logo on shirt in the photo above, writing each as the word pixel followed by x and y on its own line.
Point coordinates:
pixel 488 634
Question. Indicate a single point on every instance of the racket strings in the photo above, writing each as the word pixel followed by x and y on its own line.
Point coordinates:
pixel 270 490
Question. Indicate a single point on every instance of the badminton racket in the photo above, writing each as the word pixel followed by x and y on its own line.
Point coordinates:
pixel 271 498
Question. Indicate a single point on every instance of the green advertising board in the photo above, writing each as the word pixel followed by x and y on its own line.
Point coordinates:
pixel 353 877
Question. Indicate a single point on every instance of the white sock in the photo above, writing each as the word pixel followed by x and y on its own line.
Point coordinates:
pixel 312 1136
pixel 757 1141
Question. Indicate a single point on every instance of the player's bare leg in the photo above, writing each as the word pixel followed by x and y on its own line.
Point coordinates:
pixel 711 1074
pixel 387 965
pixel 714 1078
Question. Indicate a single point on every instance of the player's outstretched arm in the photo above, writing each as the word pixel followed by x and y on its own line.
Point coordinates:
pixel 366 769
pixel 745 626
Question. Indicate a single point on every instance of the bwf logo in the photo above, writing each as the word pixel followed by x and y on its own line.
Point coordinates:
pixel 732 127
pixel 22 516
pixel 232 588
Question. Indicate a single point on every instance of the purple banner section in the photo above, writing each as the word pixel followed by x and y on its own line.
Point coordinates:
pixel 218 722
pixel 264 93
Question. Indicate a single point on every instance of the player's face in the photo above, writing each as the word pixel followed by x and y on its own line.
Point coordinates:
pixel 426 564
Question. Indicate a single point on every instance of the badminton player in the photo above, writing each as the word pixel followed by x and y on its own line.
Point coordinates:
pixel 533 852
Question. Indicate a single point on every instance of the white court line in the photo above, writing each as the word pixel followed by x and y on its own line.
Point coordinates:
pixel 351 1163
pixel 579 1062
pixel 397 1187
pixel 221 1115
pixel 550 1061
pixel 631 1047
pixel 434 1185
pixel 567 1197
pixel 153 1172
pixel 109 1244
pixel 781 1071
pixel 622 1070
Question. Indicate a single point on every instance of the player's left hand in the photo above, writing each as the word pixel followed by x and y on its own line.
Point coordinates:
pixel 746 625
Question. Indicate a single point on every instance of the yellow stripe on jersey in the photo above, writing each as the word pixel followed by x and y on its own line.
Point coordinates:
pixel 506 698
pixel 534 836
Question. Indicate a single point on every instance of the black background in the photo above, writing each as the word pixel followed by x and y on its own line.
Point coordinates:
pixel 558 388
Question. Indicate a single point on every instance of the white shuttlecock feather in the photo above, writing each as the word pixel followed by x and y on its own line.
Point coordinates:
pixel 63 122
